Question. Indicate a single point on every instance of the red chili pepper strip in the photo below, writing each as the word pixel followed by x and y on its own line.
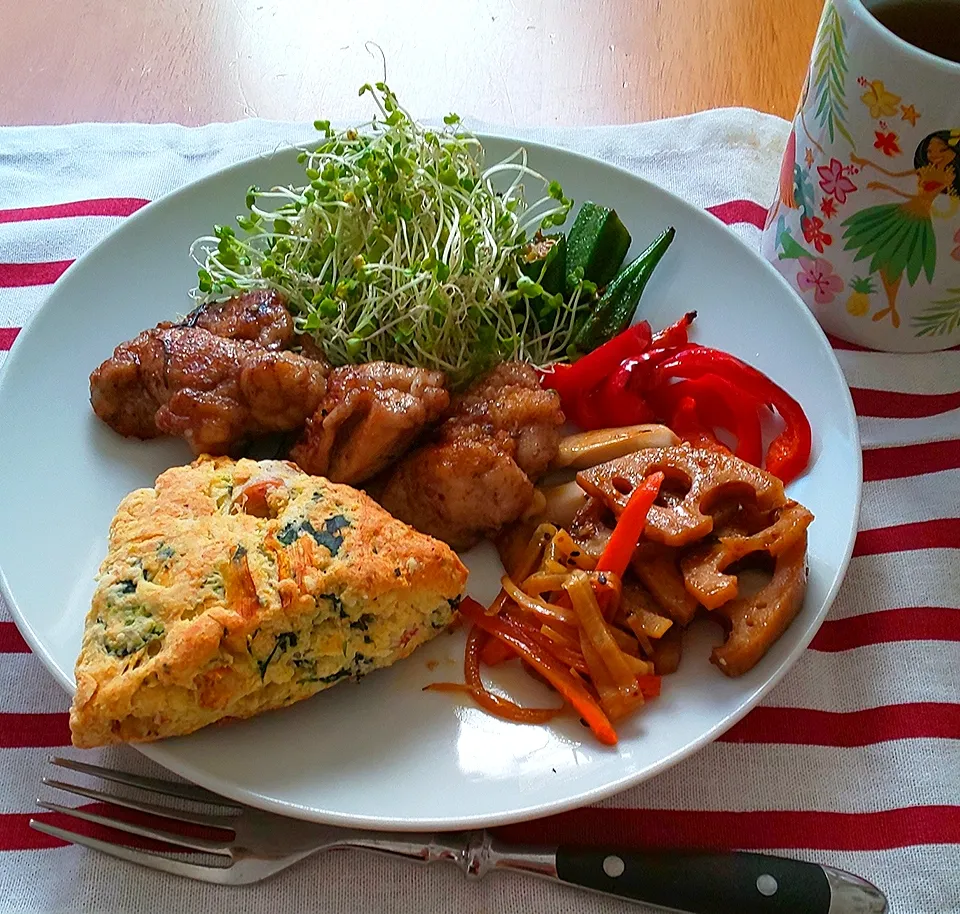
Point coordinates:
pixel 789 452
pixel 566 683
pixel 623 541
pixel 675 334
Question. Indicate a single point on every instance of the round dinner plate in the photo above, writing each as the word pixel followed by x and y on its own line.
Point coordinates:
pixel 382 753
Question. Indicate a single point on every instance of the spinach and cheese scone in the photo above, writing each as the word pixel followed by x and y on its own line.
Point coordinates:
pixel 234 587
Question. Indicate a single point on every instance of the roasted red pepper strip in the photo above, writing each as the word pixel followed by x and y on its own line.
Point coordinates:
pixel 584 408
pixel 592 369
pixel 566 683
pixel 719 404
pixel 788 453
pixel 675 334
pixel 639 369
pixel 619 404
pixel 620 399
pixel 684 419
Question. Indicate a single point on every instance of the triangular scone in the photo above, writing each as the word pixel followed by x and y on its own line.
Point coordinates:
pixel 234 587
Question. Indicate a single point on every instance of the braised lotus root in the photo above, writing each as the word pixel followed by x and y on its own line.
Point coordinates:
pixel 714 511
pixel 755 622
pixel 703 568
pixel 706 478
pixel 657 568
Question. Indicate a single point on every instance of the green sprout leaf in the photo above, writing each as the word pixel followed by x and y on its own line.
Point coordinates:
pixel 402 244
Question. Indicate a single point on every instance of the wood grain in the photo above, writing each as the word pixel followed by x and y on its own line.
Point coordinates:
pixel 510 62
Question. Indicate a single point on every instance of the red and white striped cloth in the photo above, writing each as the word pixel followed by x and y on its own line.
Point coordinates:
pixel 854 759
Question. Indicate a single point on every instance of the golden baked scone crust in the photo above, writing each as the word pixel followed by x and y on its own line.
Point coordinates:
pixel 234 587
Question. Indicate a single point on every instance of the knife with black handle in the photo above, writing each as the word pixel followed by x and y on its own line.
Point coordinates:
pixel 693 882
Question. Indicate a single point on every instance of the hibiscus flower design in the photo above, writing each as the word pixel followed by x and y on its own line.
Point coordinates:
pixel 834 181
pixel 955 253
pixel 818 275
pixel 879 101
pixel 828 207
pixel 886 143
pixel 814 234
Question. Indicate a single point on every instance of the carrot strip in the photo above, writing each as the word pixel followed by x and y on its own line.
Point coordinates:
pixel 239 587
pixel 566 650
pixel 649 685
pixel 489 701
pixel 494 652
pixel 565 682
pixel 623 541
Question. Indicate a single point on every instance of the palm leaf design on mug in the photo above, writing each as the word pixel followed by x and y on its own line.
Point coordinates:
pixel 829 74
pixel 941 318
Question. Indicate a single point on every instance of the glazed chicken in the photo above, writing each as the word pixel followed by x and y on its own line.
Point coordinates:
pixel 370 415
pixel 476 473
pixel 213 391
pixel 260 317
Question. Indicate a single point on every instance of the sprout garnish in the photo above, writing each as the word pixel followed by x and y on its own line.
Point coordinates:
pixel 402 246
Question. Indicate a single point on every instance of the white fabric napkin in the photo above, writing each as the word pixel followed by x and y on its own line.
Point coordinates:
pixel 854 760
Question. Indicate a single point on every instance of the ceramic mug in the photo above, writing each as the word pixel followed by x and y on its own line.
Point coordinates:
pixel 865 225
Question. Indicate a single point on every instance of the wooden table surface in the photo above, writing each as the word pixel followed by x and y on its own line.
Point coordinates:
pixel 511 62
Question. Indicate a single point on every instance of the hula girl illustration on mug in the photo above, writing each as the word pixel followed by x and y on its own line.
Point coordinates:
pixel 899 237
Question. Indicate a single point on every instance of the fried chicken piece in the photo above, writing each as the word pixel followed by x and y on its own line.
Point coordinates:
pixel 369 417
pixel 510 403
pixel 260 316
pixel 476 474
pixel 459 491
pixel 214 392
pixel 308 347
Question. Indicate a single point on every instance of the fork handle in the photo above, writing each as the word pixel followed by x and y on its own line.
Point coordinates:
pixel 708 883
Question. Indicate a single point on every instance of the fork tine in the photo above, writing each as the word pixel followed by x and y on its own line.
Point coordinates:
pixel 158 834
pixel 144 858
pixel 210 820
pixel 157 785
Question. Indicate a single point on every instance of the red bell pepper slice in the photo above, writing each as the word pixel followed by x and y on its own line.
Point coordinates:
pixel 788 453
pixel 676 334
pixel 684 419
pixel 719 404
pixel 619 404
pixel 589 371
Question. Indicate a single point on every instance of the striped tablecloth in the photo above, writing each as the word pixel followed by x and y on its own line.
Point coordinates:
pixel 853 760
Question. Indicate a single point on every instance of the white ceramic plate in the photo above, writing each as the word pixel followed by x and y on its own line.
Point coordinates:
pixel 382 753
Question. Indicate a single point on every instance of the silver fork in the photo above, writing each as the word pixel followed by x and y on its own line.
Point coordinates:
pixel 261 844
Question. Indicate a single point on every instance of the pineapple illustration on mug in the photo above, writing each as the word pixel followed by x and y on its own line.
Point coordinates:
pixel 858 304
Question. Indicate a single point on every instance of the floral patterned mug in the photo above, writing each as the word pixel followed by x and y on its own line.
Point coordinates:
pixel 865 224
